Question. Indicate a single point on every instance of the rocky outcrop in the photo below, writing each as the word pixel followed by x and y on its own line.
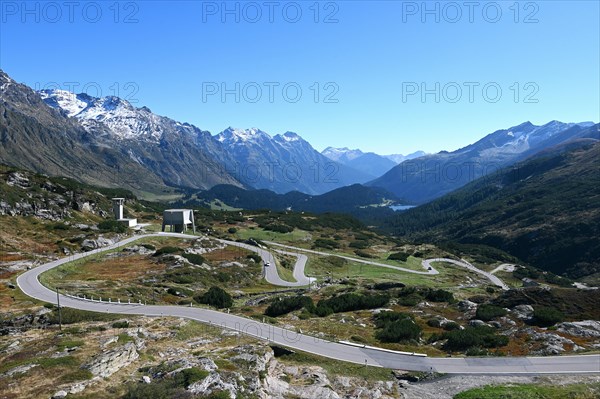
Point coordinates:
pixel 213 383
pixel 100 242
pixel 550 343
pixel 110 362
pixel 583 329
pixel 523 311
pixel 468 308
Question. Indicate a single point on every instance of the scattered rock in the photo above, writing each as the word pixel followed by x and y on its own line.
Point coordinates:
pixel 213 383
pixel 17 179
pixel 584 329
pixel 112 361
pixel 468 308
pixel 138 249
pixel 523 311
pixel 550 343
pixel 100 242
pixel 19 370
pixel 60 395
pixel 477 323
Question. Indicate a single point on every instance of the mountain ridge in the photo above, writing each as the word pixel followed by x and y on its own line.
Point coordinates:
pixel 429 177
pixel 544 210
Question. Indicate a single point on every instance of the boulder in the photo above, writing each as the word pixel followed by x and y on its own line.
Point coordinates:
pixel 112 361
pixel 60 395
pixel 550 344
pixel 584 329
pixel 523 311
pixel 478 323
pixel 213 383
pixel 467 307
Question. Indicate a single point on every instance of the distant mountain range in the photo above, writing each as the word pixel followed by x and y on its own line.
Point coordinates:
pixel 370 163
pixel 431 176
pixel 545 210
pixel 285 162
pixel 107 141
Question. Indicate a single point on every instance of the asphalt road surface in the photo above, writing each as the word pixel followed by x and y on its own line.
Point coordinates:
pixel 30 285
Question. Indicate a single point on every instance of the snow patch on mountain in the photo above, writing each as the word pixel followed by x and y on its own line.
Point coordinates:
pixel 343 153
pixel 240 136
pixel 124 120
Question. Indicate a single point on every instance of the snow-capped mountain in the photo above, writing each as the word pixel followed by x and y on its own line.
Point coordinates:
pixel 285 162
pixel 40 138
pixel 342 155
pixel 124 120
pixel 399 158
pixel 428 177
pixel 180 152
pixel 368 162
pixel 107 141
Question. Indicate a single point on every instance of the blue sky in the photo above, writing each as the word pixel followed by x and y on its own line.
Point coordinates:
pixel 369 63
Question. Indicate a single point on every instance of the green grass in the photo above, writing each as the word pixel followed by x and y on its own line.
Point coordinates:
pixel 124 338
pixel 77 375
pixel 264 235
pixel 284 273
pixel 194 329
pixel 530 391
pixel 44 363
pixel 68 343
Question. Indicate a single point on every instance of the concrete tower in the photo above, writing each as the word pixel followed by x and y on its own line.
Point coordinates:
pixel 118 207
pixel 118 212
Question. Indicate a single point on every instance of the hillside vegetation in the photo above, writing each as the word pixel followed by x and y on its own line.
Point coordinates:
pixel 545 211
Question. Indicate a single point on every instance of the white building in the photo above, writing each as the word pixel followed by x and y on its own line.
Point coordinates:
pixel 178 220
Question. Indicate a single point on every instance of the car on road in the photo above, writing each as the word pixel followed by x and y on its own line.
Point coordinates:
pixel 267 264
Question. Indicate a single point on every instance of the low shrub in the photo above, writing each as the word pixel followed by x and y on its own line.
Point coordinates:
pixel 363 254
pixel 216 297
pixel 112 226
pixel 350 302
pixel 396 327
pixel 399 256
pixel 487 312
pixel 326 243
pixel 255 257
pixel 120 324
pixel 194 258
pixel 438 295
pixel 470 337
pixel 451 326
pixel 281 306
pixel 546 316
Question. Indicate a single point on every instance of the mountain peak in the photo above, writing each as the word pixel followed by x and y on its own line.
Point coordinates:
pixel 232 134
pixel 4 78
pixel 288 137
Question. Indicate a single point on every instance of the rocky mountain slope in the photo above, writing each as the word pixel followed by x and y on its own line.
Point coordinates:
pixel 285 162
pixel 281 163
pixel 423 179
pixel 545 211
pixel 39 138
pixel 178 153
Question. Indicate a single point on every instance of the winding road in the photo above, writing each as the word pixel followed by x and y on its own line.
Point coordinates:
pixel 29 283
